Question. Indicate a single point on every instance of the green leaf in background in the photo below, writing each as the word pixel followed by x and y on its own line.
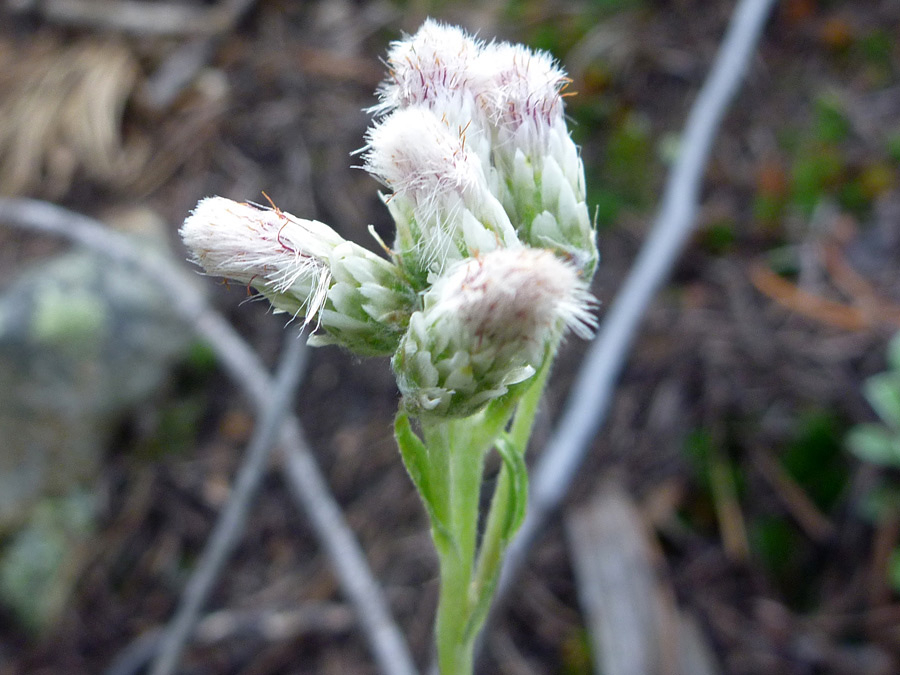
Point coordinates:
pixel 893 571
pixel 874 443
pixel 40 564
pixel 883 393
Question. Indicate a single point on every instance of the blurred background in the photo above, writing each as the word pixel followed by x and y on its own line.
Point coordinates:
pixel 760 517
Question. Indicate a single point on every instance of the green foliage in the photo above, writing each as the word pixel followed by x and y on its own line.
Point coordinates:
pixel 718 238
pixel 576 657
pixel 892 145
pixel 705 454
pixel 768 209
pixel 717 475
pixel 880 442
pixel 177 419
pixel 775 542
pixel 557 32
pixel 894 569
pixel 622 178
pixel 175 431
pixel 201 358
pixel 788 559
pixel 831 124
pixel 816 172
pixel 820 167
pixel 814 458
pixel 877 49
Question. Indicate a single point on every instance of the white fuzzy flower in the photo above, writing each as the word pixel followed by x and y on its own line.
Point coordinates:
pixel 520 91
pixel 441 201
pixel 428 67
pixel 418 154
pixel 486 325
pixel 273 251
pixel 303 267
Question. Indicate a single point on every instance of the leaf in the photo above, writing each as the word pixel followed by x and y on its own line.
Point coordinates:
pixel 893 571
pixel 873 443
pixel 514 463
pixel 883 393
pixel 418 464
pixel 516 504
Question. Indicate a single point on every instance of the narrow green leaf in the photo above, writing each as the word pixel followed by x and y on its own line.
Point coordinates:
pixel 514 462
pixel 873 443
pixel 883 393
pixel 418 466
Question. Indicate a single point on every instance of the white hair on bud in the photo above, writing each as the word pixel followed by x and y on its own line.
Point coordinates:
pixel 520 89
pixel 515 295
pixel 415 153
pixel 263 247
pixel 430 65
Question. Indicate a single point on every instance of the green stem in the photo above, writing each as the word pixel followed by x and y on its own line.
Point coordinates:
pixel 457 450
pixel 454 651
pixel 523 422
pixel 463 451
pixel 497 531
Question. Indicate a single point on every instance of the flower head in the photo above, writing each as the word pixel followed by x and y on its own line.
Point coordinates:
pixel 486 325
pixel 419 155
pixel 280 255
pixel 430 66
pixel 494 245
pixel 441 201
pixel 359 299
pixel 520 90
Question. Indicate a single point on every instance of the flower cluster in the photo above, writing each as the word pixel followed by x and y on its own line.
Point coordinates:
pixel 494 246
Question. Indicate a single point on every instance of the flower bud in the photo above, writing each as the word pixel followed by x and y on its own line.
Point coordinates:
pixel 486 325
pixel 441 202
pixel 429 67
pixel 303 267
pixel 368 306
pixel 281 256
pixel 509 101
pixel 542 176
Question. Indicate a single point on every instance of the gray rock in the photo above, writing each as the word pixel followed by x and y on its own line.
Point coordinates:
pixel 82 341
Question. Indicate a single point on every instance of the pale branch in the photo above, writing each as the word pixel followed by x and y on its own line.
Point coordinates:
pixel 224 624
pixel 138 17
pixel 243 364
pixel 589 400
pixel 233 519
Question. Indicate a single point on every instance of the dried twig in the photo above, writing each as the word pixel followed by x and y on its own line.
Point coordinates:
pixel 136 16
pixel 794 298
pixel 590 398
pixel 269 625
pixel 814 523
pixel 243 364
pixel 233 519
pixel 180 68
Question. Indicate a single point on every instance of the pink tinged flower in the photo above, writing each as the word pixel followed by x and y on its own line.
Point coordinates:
pixel 486 325
pixel 417 154
pixel 428 67
pixel 515 295
pixel 521 92
pixel 283 256
pixel 441 200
